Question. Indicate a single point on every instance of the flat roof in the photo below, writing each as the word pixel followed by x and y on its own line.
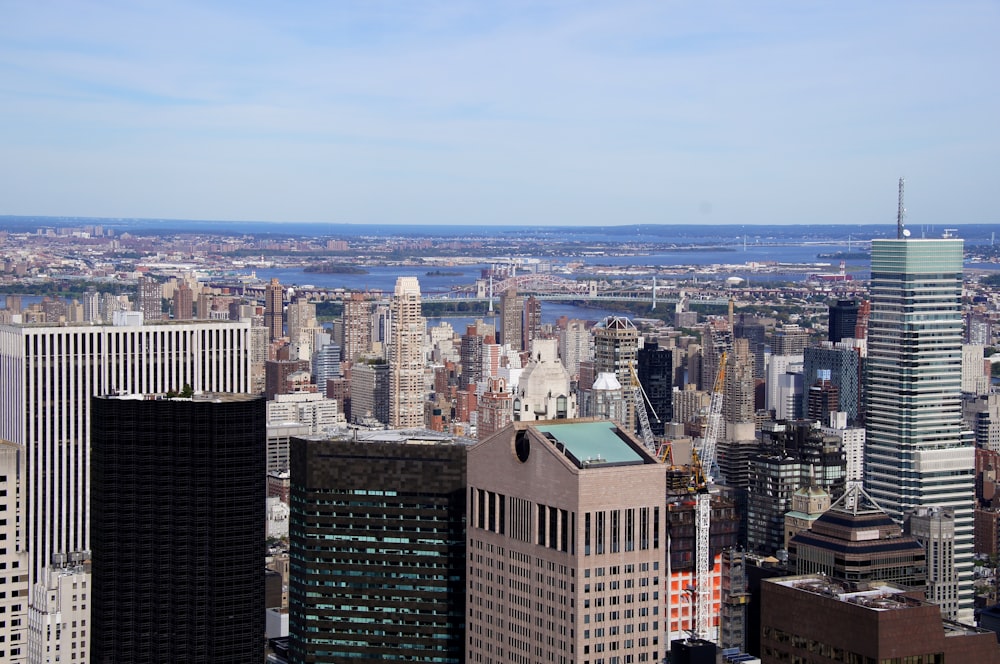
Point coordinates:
pixel 592 443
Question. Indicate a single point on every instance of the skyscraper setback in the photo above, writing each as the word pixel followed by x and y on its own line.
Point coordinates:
pixel 916 455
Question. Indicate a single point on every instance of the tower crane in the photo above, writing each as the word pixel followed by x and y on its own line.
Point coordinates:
pixel 638 398
pixel 703 478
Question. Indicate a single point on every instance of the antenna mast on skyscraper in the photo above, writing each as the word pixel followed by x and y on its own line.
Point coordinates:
pixel 900 231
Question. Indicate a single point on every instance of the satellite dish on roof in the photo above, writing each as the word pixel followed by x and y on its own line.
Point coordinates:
pixel 906 232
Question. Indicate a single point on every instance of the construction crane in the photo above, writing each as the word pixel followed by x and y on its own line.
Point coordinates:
pixel 703 478
pixel 639 400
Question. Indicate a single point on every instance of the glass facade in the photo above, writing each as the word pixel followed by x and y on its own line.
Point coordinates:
pixel 915 453
pixel 377 537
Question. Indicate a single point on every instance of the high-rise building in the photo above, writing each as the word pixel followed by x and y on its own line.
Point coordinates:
pixel 576 344
pixel 325 364
pixel 789 340
pixel 616 349
pixel 59 624
pixel 149 298
pixel 471 357
pixel 916 453
pixel 357 317
pixel 934 529
pixel 274 319
pixel 370 392
pixel 655 368
pixel 511 311
pixel 532 323
pixel 738 404
pixel 567 532
pixel 406 356
pixel 844 364
pixel 13 560
pixel 754 332
pixel 843 320
pixel 177 528
pixel 48 376
pixel 183 302
pixel 378 552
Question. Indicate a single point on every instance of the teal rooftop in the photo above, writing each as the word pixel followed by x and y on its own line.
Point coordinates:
pixel 593 444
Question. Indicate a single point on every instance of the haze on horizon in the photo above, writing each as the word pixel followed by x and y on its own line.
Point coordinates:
pixel 520 113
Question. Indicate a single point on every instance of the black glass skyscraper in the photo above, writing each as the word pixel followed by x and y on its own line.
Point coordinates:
pixel 656 373
pixel 177 509
pixel 843 319
pixel 377 547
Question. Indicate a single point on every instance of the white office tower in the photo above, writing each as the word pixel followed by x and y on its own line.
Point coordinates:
pixel 406 356
pixel 48 375
pixel 916 455
pixel 975 375
pixel 934 528
pixel 13 561
pixel 852 440
pixel 59 618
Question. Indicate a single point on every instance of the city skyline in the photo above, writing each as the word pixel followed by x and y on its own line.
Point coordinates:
pixel 638 113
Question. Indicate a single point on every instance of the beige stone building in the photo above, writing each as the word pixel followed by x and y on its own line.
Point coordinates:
pixel 566 536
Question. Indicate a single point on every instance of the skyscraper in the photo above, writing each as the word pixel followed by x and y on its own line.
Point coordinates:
pixel 406 357
pixel 150 298
pixel 511 312
pixel 357 319
pixel 567 527
pixel 616 348
pixel 656 373
pixel 916 455
pixel 843 320
pixel 532 323
pixel 177 534
pixel 48 376
pixel 377 536
pixel 274 309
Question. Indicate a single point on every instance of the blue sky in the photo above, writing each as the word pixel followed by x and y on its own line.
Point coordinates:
pixel 477 113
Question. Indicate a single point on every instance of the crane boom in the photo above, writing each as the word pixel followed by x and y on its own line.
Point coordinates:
pixel 639 400
pixel 703 504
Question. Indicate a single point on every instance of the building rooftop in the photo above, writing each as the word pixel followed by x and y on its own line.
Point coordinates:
pixel 589 444
pixel 875 596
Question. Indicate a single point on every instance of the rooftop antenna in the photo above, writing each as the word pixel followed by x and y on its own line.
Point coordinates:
pixel 900 213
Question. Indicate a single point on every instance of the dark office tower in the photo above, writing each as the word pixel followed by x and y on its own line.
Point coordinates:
pixel 149 299
pixel 377 537
pixel 511 308
pixel 177 531
pixel 843 319
pixel 824 398
pixel 656 370
pixel 843 366
pixel 274 309
pixel 532 327
pixel 471 355
pixel 753 331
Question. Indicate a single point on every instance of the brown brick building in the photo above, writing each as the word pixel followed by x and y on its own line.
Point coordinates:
pixel 812 619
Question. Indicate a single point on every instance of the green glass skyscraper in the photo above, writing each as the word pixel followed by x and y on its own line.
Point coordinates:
pixel 916 455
